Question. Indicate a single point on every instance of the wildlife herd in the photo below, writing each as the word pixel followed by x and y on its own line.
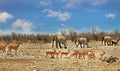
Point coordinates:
pixel 61 54
pixel 83 42
pixel 59 45
pixel 11 46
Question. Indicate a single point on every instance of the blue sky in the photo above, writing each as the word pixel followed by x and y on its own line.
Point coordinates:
pixel 52 16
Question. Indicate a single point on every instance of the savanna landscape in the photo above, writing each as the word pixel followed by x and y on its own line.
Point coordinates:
pixel 37 53
pixel 59 35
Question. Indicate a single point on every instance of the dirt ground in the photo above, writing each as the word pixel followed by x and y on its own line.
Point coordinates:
pixel 31 57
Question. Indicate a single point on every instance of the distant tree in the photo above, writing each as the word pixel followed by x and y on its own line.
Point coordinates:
pixel 95 32
pixel 116 31
pixel 63 32
pixel 115 34
pixel 72 34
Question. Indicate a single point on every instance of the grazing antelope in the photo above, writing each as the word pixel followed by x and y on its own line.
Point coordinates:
pixel 75 53
pixel 83 54
pixel 80 54
pixel 65 53
pixel 51 53
pixel 57 54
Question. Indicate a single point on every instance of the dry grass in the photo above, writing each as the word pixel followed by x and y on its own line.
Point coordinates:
pixel 32 58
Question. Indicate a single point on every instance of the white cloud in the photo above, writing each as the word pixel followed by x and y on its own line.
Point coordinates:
pixel 64 25
pixel 61 16
pixel 82 3
pixel 22 24
pixel 64 16
pixel 110 15
pixel 4 16
pixel 44 3
pixel 72 3
pixel 51 13
pixel 98 2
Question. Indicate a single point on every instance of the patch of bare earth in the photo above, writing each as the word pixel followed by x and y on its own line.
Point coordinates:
pixel 32 58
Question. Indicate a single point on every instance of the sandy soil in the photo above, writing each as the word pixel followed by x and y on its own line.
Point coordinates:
pixel 31 57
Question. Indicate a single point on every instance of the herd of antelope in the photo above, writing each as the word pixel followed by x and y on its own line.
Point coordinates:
pixel 82 41
pixel 90 54
pixel 61 41
pixel 11 46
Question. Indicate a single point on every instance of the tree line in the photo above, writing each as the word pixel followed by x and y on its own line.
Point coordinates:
pixel 46 38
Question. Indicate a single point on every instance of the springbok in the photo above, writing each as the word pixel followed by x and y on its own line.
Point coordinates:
pixel 75 54
pixel 91 54
pixel 3 46
pixel 64 53
pixel 52 53
pixel 102 54
pixel 83 54
pixel 13 46
pixel 57 53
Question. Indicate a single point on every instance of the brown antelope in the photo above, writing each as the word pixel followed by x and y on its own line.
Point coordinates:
pixel 102 54
pixel 75 53
pixel 13 46
pixel 51 53
pixel 57 54
pixel 83 54
pixel 2 46
pixel 65 53
pixel 91 54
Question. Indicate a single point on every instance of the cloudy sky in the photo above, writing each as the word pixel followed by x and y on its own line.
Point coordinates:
pixel 52 16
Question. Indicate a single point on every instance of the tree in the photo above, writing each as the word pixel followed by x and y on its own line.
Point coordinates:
pixel 116 31
pixel 72 34
pixel 64 33
pixel 95 32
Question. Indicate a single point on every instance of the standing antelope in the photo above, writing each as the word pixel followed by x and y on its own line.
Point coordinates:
pixel 65 53
pixel 102 54
pixel 57 53
pixel 13 46
pixel 75 53
pixel 3 46
pixel 52 53
pixel 91 54
pixel 83 54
